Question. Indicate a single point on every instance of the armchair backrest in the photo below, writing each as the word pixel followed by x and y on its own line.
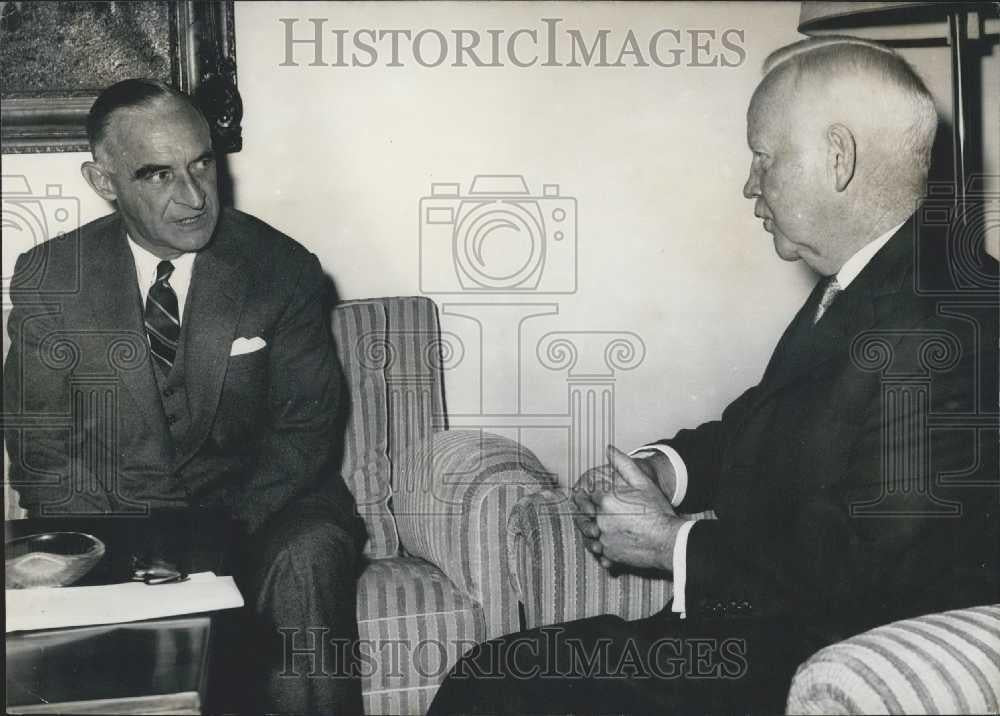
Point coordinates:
pixel 389 349
pixel 413 373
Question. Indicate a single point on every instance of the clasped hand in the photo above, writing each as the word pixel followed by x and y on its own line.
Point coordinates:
pixel 623 514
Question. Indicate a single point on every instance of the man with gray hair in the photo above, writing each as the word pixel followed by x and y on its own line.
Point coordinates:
pixel 838 508
pixel 210 326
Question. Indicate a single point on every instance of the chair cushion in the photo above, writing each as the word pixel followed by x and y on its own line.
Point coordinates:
pixel 359 332
pixel 938 663
pixel 414 625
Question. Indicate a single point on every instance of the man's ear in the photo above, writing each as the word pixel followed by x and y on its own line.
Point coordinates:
pixel 842 155
pixel 99 180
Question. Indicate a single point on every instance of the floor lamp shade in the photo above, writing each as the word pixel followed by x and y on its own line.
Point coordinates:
pixel 882 21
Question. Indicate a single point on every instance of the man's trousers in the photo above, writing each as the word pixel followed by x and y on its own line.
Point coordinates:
pixel 661 664
pixel 291 649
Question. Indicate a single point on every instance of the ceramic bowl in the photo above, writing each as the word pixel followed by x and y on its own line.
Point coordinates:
pixel 52 559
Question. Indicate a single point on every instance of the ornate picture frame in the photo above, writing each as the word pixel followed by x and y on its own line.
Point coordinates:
pixel 202 62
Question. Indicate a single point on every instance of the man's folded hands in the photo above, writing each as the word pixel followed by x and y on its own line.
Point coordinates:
pixel 623 514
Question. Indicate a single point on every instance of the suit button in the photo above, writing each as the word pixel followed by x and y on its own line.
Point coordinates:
pixel 167 392
pixel 171 419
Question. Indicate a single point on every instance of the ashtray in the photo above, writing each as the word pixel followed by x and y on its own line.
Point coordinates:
pixel 52 559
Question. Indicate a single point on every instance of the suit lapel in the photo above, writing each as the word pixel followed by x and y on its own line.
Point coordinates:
pixel 793 342
pixel 219 285
pixel 117 303
pixel 805 347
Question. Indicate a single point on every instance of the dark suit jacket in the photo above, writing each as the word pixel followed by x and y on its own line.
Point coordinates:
pixel 88 431
pixel 857 483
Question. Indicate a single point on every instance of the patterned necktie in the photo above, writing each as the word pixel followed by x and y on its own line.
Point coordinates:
pixel 162 318
pixel 829 294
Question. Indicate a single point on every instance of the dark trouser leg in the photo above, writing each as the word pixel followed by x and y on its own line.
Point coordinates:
pixel 299 579
pixel 605 664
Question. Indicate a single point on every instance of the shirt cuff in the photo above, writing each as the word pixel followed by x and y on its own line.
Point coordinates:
pixel 676 461
pixel 680 568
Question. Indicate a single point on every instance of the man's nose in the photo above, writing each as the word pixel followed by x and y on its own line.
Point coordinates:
pixel 751 190
pixel 189 193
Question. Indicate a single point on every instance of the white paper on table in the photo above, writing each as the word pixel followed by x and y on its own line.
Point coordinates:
pixel 58 607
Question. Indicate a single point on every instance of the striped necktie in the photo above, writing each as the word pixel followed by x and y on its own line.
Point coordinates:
pixel 162 319
pixel 829 294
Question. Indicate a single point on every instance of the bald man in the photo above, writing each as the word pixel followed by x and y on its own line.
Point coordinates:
pixel 838 508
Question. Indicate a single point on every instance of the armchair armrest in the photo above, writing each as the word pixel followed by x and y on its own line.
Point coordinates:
pixel 938 663
pixel 452 497
pixel 558 580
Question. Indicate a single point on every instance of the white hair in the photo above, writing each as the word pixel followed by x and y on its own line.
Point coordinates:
pixel 903 110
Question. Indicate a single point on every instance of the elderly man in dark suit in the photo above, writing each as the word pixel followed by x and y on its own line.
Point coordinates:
pixel 839 507
pixel 211 326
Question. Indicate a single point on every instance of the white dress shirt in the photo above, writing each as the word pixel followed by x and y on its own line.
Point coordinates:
pixel 853 266
pixel 145 271
pixel 848 272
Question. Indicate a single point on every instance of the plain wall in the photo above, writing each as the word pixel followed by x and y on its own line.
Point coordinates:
pixel 669 258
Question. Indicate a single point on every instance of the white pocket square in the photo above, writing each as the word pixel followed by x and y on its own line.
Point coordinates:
pixel 242 346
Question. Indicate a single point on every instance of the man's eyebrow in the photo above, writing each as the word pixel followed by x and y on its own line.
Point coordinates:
pixel 148 170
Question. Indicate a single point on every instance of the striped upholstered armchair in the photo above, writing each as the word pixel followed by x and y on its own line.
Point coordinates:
pixel 435 503
pixel 938 663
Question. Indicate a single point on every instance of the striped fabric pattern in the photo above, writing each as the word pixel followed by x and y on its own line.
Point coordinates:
pixel 414 625
pixel 359 333
pixel 162 318
pixel 938 663
pixel 558 580
pixel 413 373
pixel 454 494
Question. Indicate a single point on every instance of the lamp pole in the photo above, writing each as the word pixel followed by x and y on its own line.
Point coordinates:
pixel 957 42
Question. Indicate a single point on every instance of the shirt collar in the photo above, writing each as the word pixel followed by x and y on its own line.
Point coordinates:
pixel 146 261
pixel 854 265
